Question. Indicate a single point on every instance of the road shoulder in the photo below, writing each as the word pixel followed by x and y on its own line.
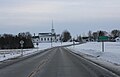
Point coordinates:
pixel 110 66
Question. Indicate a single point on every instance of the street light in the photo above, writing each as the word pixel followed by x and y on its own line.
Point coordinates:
pixel 21 44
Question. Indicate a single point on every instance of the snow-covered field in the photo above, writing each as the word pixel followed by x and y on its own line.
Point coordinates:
pixel 13 53
pixel 111 54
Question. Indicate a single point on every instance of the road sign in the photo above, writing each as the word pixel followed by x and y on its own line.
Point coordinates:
pixel 21 42
pixel 103 38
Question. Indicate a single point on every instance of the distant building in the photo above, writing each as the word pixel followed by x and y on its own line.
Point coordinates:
pixel 87 39
pixel 46 37
pixel 35 39
pixel 117 39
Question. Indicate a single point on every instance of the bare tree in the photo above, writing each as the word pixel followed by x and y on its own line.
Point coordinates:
pixel 66 36
pixel 115 33
pixel 90 35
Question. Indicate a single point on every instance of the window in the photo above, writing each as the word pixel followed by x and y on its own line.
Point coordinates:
pixel 51 39
pixel 44 39
pixel 48 39
pixel 41 39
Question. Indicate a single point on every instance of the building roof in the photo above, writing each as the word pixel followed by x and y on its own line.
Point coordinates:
pixel 85 37
pixel 117 38
pixel 45 34
pixel 58 35
pixel 35 37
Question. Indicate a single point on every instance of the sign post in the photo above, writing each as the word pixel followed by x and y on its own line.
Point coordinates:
pixel 103 46
pixel 103 39
pixel 51 42
pixel 21 43
pixel 37 43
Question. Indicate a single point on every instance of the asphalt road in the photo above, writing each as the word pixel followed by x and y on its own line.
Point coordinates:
pixel 56 62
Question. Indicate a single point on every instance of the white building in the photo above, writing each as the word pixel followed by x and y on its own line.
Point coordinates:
pixel 117 39
pixel 46 37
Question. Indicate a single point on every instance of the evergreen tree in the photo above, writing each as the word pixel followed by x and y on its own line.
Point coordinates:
pixel 101 33
pixel 8 41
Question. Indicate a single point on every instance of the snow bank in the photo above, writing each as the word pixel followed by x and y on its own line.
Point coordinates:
pixel 111 54
pixel 13 53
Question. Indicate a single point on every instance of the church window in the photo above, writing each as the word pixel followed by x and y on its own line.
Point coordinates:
pixel 44 39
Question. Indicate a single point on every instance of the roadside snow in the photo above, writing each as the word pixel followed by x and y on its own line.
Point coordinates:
pixel 111 54
pixel 13 53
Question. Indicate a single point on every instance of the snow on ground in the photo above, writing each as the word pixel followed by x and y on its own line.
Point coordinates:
pixel 111 54
pixel 13 53
pixel 61 44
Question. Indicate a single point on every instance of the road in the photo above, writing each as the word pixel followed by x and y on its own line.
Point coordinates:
pixel 56 62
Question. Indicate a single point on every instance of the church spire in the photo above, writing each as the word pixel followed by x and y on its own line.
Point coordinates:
pixel 52 25
pixel 53 30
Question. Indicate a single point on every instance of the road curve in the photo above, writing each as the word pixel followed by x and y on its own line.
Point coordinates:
pixel 56 62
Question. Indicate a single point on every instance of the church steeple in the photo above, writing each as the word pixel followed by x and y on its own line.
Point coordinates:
pixel 52 30
pixel 52 24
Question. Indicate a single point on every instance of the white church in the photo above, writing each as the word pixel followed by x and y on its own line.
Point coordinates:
pixel 46 37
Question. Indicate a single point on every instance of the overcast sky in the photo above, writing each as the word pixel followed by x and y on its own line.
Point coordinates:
pixel 77 16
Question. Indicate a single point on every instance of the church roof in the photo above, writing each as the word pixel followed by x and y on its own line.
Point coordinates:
pixel 35 37
pixel 45 34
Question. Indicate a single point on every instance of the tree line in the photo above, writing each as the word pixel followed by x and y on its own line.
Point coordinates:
pixel 9 41
pixel 94 35
pixel 66 35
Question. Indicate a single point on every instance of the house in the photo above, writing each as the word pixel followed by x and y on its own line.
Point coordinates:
pixel 117 39
pixel 87 39
pixel 35 39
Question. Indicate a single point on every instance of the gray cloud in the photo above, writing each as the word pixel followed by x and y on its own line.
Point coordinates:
pixel 72 13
